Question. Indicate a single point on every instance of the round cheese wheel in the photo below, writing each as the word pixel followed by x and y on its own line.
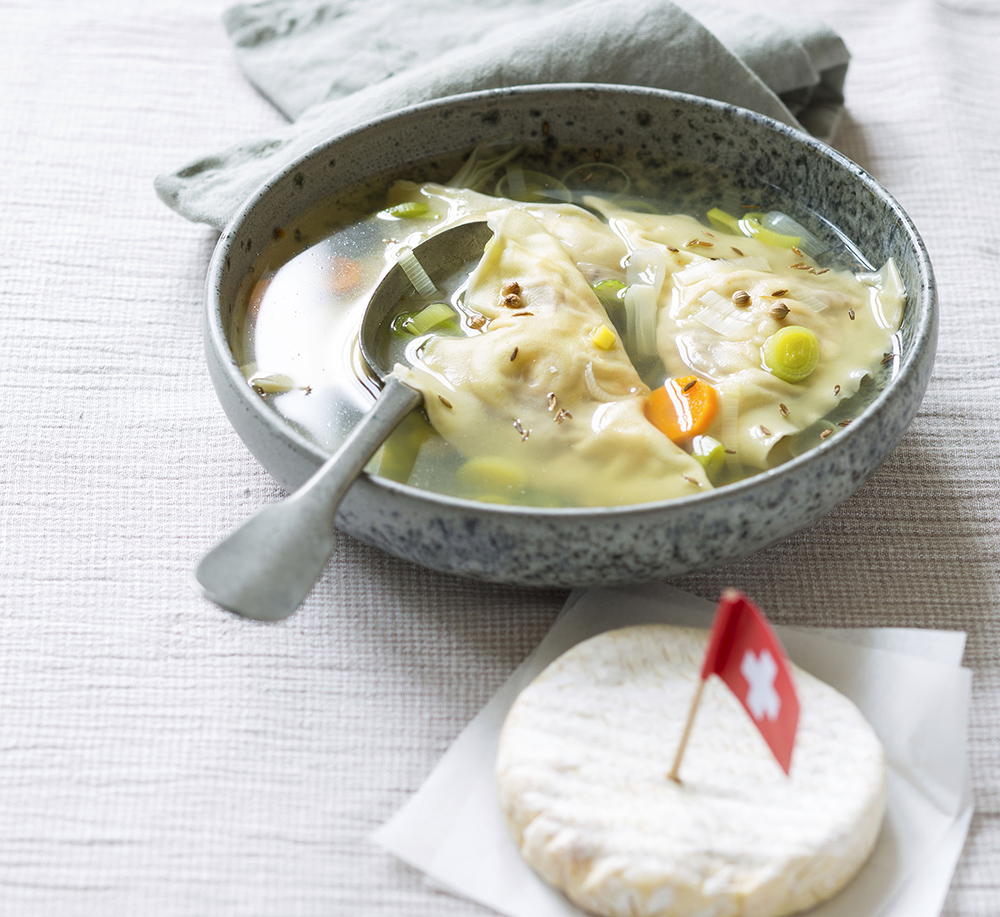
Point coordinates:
pixel 582 774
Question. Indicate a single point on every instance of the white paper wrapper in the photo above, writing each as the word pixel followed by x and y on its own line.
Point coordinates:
pixel 908 683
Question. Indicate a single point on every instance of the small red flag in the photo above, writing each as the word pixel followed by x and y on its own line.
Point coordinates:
pixel 746 654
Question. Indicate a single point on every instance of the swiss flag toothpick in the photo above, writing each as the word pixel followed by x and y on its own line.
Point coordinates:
pixel 746 654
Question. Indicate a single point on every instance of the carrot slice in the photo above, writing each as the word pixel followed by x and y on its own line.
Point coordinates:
pixel 682 408
pixel 345 274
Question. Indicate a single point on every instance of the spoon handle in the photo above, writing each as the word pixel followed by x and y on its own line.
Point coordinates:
pixel 267 566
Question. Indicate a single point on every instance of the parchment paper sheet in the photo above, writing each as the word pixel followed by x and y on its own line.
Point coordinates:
pixel 908 683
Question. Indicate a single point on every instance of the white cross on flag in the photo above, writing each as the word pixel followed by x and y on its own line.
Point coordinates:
pixel 746 654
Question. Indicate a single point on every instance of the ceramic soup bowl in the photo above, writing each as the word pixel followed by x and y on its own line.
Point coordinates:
pixel 679 136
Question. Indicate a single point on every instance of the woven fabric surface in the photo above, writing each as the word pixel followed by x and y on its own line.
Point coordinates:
pixel 159 756
pixel 284 47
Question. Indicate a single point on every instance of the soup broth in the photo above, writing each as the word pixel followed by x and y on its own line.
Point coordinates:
pixel 632 333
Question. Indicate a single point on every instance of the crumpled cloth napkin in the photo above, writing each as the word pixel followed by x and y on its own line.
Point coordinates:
pixel 332 66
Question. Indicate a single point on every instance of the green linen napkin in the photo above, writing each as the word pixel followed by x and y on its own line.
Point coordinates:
pixel 332 66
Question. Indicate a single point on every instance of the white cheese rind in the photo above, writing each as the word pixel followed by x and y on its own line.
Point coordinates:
pixel 582 776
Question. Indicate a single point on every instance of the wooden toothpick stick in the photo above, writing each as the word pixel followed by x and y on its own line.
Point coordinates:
pixel 675 770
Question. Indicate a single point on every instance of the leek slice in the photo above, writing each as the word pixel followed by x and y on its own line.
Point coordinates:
pixel 791 353
pixel 611 294
pixel 271 383
pixel 408 210
pixel 783 224
pixel 594 388
pixel 721 316
pixel 811 301
pixel 752 228
pixel 641 302
pixel 609 291
pixel 710 453
pixel 723 221
pixel 645 272
pixel 413 269
pixel 398 455
pixel 647 265
pixel 518 188
pixel 483 162
pixel 436 315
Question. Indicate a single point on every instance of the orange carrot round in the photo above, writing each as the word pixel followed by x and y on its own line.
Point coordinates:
pixel 682 408
pixel 345 274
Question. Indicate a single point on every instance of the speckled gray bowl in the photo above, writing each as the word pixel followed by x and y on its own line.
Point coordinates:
pixel 573 547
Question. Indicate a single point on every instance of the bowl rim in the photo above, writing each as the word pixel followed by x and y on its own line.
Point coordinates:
pixel 924 334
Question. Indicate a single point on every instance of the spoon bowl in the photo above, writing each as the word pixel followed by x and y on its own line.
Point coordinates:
pixel 266 567
pixel 442 256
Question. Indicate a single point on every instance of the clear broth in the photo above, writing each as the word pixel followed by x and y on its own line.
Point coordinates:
pixel 300 317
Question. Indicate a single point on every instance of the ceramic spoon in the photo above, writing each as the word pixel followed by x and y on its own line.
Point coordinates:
pixel 267 566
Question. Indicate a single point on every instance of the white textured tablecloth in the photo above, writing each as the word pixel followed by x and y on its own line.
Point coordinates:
pixel 158 756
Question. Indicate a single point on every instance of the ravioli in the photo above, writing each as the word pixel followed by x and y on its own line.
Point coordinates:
pixel 535 391
pixel 533 395
pixel 700 328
